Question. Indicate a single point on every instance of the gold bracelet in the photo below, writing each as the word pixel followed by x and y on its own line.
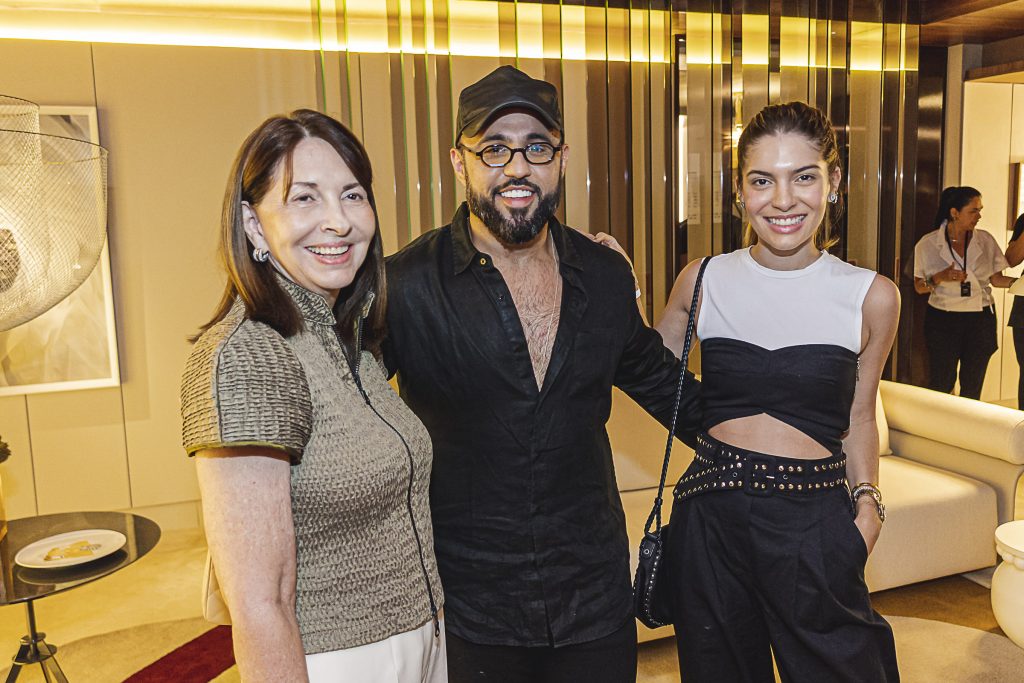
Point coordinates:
pixel 868 489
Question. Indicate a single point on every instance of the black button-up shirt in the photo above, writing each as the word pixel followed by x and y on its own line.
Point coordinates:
pixel 529 530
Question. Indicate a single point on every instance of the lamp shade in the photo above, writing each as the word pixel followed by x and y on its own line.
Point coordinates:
pixel 53 213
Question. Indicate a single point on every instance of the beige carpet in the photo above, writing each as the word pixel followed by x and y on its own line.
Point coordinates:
pixel 115 656
pixel 928 652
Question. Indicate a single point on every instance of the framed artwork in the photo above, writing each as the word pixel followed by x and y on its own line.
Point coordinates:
pixel 74 344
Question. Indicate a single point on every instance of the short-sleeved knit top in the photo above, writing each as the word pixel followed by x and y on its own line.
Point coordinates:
pixel 782 343
pixel 361 467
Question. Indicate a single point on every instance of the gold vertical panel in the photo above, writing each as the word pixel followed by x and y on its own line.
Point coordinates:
pixel 444 118
pixel 475 28
pixel 596 103
pixel 551 50
pixel 508 28
pixel 837 106
pixel 817 92
pixel 700 30
pixel 907 176
pixel 860 241
pixel 775 55
pixel 659 150
pixel 754 96
pixel 419 131
pixel 640 149
pixel 529 30
pixel 574 115
pixel 621 127
pixel 379 140
pixel 891 144
pixel 366 25
pixel 395 75
pixel 794 52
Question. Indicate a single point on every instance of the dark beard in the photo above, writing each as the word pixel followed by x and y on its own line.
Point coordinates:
pixel 521 226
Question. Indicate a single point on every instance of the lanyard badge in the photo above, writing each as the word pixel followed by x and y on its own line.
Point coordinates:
pixel 965 286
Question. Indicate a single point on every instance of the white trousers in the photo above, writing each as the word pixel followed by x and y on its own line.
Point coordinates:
pixel 416 656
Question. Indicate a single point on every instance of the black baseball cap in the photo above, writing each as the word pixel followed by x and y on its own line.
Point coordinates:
pixel 506 87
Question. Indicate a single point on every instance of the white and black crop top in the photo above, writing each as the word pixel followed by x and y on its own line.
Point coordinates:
pixel 782 343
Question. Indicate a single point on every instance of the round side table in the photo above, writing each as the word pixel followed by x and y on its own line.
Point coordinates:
pixel 24 585
pixel 1008 581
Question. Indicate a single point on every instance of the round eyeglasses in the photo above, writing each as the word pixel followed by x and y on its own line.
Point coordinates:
pixel 497 156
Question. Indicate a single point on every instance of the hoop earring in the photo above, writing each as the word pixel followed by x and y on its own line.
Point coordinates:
pixel 260 255
pixel 833 198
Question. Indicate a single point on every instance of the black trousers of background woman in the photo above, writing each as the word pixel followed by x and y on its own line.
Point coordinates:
pixel 1018 347
pixel 967 339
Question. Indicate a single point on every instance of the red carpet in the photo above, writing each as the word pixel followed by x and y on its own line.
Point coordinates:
pixel 197 661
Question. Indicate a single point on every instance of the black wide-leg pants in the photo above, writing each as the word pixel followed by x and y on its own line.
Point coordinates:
pixel 967 339
pixel 752 575
pixel 611 659
pixel 1018 348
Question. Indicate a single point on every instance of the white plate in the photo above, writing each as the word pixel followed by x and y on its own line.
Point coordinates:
pixel 74 547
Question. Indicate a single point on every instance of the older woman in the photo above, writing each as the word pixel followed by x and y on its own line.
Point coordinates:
pixel 313 473
pixel 957 265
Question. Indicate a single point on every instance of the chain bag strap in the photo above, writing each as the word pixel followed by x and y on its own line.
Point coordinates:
pixel 649 601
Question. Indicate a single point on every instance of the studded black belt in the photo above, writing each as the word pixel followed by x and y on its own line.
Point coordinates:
pixel 719 466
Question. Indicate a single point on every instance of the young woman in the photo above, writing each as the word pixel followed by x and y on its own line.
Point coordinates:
pixel 767 544
pixel 313 472
pixel 957 265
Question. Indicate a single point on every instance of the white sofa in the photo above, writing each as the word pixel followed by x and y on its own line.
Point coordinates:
pixel 949 476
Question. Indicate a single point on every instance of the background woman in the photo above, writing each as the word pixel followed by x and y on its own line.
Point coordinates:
pixel 313 473
pixel 767 548
pixel 955 264
pixel 1014 255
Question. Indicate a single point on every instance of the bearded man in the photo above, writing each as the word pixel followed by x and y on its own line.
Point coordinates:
pixel 507 332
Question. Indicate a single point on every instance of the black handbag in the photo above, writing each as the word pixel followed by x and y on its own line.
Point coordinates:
pixel 650 602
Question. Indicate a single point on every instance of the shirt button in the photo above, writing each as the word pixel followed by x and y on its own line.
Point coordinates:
pixel 483 261
pixel 501 297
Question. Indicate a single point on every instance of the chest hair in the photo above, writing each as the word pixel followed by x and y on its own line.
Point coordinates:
pixel 536 289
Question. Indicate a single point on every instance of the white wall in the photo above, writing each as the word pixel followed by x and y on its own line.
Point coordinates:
pixel 992 139
pixel 172 119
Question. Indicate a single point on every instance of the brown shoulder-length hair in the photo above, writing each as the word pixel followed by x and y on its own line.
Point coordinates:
pixel 810 122
pixel 267 149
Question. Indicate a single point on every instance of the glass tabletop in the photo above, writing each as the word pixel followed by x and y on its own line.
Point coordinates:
pixel 23 583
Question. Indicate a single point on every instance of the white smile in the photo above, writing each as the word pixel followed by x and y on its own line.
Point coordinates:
pixel 787 221
pixel 330 251
pixel 516 194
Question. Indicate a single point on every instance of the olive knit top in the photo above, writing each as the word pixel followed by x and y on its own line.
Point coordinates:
pixel 365 567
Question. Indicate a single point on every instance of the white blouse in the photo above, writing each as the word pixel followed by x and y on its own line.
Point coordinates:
pixel 984 259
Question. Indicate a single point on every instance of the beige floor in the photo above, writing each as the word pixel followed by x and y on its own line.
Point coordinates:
pixel 162 586
pixel 165 585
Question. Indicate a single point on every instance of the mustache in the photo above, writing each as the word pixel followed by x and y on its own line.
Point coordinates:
pixel 515 182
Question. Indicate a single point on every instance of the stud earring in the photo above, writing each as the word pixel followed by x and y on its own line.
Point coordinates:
pixel 833 198
pixel 260 255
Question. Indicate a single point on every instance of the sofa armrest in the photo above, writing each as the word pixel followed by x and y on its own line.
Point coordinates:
pixel 1000 475
pixel 992 430
pixel 971 438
